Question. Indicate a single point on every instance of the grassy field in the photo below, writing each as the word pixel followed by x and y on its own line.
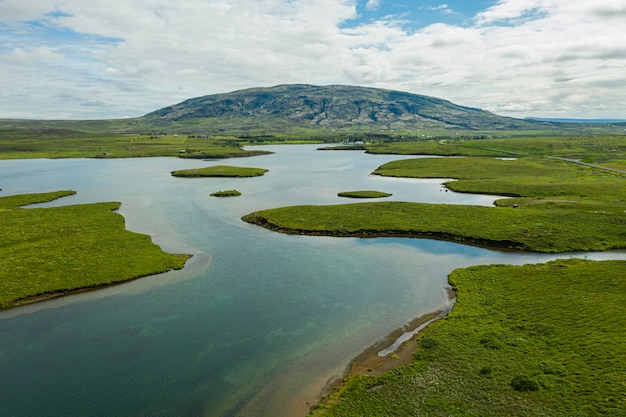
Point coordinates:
pixel 554 227
pixel 47 251
pixel 535 340
pixel 364 194
pixel 606 150
pixel 59 143
pixel 561 207
pixel 220 171
pixel 543 178
pixel 431 147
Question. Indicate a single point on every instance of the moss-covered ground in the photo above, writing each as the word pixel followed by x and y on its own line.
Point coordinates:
pixel 48 251
pixel 533 340
pixel 561 207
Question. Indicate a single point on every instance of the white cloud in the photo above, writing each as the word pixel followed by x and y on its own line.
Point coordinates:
pixel 520 58
pixel 34 55
pixel 373 4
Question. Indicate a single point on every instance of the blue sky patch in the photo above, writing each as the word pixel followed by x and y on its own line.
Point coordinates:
pixel 415 15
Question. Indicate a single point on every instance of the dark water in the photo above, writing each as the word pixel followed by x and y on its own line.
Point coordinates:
pixel 255 324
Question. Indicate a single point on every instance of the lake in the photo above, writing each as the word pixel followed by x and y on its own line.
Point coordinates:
pixel 257 322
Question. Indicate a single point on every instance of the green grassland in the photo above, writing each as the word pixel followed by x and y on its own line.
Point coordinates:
pixel 48 251
pixel 431 147
pixel 539 178
pixel 533 340
pixel 63 143
pixel 363 194
pixel 554 227
pixel 562 207
pixel 606 150
pixel 220 171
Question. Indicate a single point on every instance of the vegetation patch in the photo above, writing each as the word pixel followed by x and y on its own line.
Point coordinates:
pixel 364 194
pixel 49 251
pixel 52 142
pixel 600 149
pixel 220 171
pixel 562 207
pixel 226 193
pixel 526 177
pixel 540 228
pixel 560 333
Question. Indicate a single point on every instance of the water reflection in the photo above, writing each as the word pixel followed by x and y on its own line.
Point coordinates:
pixel 256 323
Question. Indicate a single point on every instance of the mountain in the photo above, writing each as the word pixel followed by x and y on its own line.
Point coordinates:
pixel 301 106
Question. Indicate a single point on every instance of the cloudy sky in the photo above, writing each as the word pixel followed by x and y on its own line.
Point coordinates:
pixel 92 59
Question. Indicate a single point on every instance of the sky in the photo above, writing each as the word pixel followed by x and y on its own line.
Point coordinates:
pixel 97 59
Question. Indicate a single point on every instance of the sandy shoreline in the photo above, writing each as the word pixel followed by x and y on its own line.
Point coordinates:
pixel 371 363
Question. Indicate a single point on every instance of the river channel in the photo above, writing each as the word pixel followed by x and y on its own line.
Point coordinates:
pixel 256 323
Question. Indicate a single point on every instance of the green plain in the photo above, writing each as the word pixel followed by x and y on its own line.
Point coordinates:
pixel 559 327
pixel 562 207
pixel 63 143
pixel 50 251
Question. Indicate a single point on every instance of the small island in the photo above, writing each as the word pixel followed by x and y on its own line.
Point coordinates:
pixel 226 193
pixel 220 171
pixel 364 194
pixel 53 251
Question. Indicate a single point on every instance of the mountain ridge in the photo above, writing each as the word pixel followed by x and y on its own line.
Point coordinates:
pixel 332 106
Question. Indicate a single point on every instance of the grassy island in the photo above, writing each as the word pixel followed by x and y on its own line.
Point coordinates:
pixel 559 207
pixel 226 193
pixel 555 227
pixel 220 171
pixel 533 340
pixel 364 194
pixel 50 251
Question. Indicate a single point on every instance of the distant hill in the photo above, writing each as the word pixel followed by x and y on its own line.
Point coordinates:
pixel 288 107
pixel 309 110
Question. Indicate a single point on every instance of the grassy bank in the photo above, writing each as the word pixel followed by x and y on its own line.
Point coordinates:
pixel 47 251
pixel 538 178
pixel 562 207
pixel 220 171
pixel 606 150
pixel 541 228
pixel 64 143
pixel 535 340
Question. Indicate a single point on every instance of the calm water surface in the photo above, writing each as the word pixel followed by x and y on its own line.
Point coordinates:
pixel 255 324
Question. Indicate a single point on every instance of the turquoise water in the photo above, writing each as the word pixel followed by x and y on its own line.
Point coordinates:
pixel 255 324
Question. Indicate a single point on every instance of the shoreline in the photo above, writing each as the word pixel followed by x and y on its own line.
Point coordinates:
pixel 370 362
pixel 50 295
pixel 504 246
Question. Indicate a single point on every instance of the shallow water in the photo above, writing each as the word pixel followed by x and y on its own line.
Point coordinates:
pixel 256 323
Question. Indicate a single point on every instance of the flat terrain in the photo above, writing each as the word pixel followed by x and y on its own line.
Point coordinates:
pixel 50 251
pixel 560 207
pixel 535 340
pixel 63 143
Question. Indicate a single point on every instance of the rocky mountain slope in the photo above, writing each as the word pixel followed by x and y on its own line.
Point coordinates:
pixel 287 107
